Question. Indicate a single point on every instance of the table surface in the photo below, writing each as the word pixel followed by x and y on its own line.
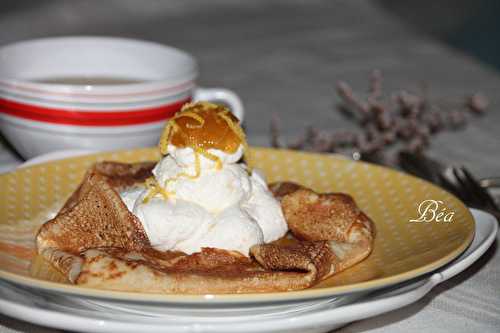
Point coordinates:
pixel 283 58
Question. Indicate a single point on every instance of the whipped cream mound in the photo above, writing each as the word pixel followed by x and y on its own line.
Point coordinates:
pixel 214 190
pixel 226 208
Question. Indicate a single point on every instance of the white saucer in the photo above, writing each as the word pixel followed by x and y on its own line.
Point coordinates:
pixel 68 313
pixel 56 155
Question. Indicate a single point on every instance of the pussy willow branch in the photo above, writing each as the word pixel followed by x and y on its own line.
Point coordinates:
pixel 400 120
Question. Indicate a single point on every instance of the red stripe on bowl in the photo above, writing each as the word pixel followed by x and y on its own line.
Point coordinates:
pixel 90 118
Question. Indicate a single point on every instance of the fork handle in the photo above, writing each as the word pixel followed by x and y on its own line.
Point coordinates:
pixel 490 182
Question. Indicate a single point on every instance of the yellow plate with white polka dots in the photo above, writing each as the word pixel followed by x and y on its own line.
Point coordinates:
pixel 419 226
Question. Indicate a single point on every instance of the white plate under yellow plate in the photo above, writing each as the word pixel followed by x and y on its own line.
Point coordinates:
pixel 403 249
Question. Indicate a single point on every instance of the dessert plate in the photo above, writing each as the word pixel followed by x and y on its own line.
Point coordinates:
pixel 404 247
pixel 29 305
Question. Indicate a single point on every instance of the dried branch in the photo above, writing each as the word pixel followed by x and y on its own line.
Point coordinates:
pixel 477 103
pixel 402 121
pixel 346 94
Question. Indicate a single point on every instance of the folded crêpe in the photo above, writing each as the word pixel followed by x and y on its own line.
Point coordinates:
pixel 97 242
pixel 200 222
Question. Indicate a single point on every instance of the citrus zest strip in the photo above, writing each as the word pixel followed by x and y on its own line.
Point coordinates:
pixel 172 127
pixel 154 189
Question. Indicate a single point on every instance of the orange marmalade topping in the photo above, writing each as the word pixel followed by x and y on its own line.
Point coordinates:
pixel 203 126
pixel 200 126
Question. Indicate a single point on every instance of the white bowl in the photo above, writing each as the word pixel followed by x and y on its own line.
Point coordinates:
pixel 32 138
pixel 39 117
pixel 159 69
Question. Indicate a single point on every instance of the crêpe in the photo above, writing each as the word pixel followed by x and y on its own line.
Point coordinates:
pixel 96 242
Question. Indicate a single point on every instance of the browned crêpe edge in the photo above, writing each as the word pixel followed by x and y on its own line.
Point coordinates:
pixel 335 235
pixel 280 189
pixel 94 216
pixel 331 217
pixel 118 175
pixel 209 271
pixel 122 175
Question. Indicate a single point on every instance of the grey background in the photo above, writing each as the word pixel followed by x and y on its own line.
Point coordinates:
pixel 284 57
